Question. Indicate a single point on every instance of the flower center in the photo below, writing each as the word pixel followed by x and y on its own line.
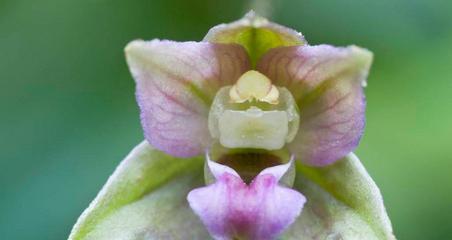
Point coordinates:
pixel 253 113
pixel 248 164
pixel 253 85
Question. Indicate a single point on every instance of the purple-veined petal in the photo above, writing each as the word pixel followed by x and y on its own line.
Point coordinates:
pixel 327 83
pixel 176 82
pixel 231 209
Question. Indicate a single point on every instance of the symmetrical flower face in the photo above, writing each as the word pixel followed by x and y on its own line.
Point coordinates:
pixel 268 115
pixel 177 83
pixel 254 86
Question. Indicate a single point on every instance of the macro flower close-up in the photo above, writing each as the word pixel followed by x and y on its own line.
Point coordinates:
pixel 249 135
pixel 225 120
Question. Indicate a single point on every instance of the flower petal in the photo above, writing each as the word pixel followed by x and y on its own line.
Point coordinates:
pixel 231 209
pixel 144 199
pixel 344 203
pixel 176 83
pixel 327 84
pixel 284 173
pixel 256 34
pixel 217 170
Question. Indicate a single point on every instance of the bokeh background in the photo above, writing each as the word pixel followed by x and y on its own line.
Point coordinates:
pixel 68 112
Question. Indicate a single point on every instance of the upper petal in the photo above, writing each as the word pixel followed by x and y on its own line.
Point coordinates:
pixel 176 82
pixel 327 84
pixel 256 34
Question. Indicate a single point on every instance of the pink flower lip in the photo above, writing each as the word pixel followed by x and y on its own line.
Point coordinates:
pixel 230 208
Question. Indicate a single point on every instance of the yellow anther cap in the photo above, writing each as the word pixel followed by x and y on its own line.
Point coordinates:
pixel 254 85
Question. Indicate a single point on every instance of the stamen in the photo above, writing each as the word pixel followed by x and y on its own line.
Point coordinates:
pixel 253 85
pixel 268 123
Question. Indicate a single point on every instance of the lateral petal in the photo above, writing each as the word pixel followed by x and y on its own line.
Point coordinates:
pixel 327 84
pixel 176 82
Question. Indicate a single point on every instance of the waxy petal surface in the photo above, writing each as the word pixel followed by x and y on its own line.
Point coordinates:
pixel 327 83
pixel 175 86
pixel 231 209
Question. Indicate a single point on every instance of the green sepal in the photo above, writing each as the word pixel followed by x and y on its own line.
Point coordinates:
pixel 145 198
pixel 343 203
pixel 256 34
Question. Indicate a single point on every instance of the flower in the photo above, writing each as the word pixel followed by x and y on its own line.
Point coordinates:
pixel 177 83
pixel 231 84
pixel 262 106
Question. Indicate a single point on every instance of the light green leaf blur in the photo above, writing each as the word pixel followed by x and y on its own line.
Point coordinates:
pixel 343 203
pixel 145 198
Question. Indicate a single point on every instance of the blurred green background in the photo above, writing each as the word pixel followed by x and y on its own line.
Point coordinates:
pixel 68 112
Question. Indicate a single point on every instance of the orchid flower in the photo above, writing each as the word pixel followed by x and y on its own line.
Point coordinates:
pixel 249 135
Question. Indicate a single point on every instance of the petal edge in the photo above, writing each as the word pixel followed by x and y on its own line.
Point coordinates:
pixel 327 83
pixel 176 82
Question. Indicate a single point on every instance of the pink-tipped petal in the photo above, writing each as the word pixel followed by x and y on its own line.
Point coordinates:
pixel 176 82
pixel 327 83
pixel 231 209
pixel 217 170
pixel 279 171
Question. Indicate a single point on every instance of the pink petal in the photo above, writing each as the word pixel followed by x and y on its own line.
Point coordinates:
pixel 327 84
pixel 231 209
pixel 176 82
